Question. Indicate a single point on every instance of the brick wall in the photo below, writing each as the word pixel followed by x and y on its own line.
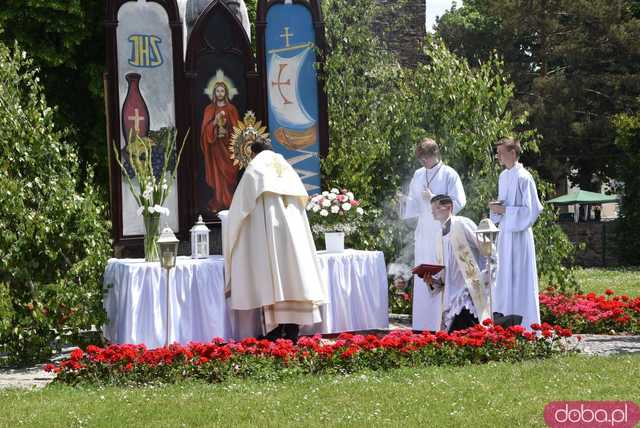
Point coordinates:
pixel 599 240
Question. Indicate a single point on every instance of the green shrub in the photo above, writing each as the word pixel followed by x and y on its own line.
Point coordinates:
pixel 55 236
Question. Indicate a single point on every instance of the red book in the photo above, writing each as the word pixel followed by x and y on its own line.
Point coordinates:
pixel 424 269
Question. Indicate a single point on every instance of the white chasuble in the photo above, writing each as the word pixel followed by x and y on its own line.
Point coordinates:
pixel 441 179
pixel 516 290
pixel 270 256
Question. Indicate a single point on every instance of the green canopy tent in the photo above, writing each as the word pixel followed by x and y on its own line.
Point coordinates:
pixel 583 197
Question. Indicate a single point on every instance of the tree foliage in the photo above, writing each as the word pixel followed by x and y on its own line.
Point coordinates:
pixel 65 39
pixel 574 63
pixel 55 238
pixel 628 141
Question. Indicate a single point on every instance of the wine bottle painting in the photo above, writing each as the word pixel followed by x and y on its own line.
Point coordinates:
pixel 137 121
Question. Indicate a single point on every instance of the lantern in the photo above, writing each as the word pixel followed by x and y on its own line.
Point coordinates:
pixel 168 250
pixel 487 234
pixel 199 240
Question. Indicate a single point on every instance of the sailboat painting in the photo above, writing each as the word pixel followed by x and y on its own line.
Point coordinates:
pixel 292 89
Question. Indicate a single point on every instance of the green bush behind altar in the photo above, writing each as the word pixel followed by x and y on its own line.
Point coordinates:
pixel 55 235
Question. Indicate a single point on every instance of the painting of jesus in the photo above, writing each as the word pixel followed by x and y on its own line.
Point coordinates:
pixel 219 118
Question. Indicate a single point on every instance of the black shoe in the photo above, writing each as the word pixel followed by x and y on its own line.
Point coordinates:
pixel 275 334
pixel 506 320
pixel 291 332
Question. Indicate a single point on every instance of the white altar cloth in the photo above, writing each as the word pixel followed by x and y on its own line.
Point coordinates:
pixel 135 299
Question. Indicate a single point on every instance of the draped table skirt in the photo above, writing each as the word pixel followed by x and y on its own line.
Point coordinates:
pixel 135 299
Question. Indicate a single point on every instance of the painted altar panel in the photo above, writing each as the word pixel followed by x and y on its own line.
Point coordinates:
pixel 218 60
pixel 145 93
pixel 292 89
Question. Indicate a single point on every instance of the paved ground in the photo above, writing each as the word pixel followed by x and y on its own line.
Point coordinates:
pixel 590 344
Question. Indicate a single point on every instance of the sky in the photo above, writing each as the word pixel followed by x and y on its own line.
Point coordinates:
pixel 437 8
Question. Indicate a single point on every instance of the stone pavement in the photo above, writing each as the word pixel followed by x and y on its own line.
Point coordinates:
pixel 590 344
pixel 32 377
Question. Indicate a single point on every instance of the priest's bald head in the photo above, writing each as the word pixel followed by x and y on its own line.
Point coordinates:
pixel 442 207
pixel 260 145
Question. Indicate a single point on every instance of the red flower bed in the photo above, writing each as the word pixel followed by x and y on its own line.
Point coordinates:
pixel 217 361
pixel 590 313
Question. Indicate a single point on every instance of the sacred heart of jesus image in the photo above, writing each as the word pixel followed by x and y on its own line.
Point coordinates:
pixel 219 118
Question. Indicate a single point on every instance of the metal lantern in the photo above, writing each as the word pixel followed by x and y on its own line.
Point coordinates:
pixel 487 233
pixel 168 250
pixel 199 240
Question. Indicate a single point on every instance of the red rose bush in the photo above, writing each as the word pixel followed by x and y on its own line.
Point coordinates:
pixel 218 361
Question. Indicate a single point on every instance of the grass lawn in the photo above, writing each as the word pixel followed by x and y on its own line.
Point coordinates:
pixel 491 395
pixel 620 280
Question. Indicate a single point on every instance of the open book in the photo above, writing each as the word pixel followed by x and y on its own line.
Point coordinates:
pixel 425 269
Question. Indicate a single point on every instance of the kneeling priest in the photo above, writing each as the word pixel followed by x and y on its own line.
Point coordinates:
pixel 463 282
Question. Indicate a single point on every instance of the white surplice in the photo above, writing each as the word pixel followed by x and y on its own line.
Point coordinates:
pixel 516 290
pixel 441 179
pixel 270 256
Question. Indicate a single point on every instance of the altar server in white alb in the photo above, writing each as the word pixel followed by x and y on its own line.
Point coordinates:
pixel 434 178
pixel 270 256
pixel 463 286
pixel 515 211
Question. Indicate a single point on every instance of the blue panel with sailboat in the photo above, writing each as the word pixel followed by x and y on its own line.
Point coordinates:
pixel 292 89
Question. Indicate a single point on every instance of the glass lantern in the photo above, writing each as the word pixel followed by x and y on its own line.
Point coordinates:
pixel 168 248
pixel 199 240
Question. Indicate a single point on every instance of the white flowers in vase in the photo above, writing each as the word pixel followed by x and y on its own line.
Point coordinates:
pixel 334 211
pixel 153 163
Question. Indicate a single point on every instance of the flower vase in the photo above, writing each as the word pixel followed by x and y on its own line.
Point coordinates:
pixel 334 242
pixel 151 235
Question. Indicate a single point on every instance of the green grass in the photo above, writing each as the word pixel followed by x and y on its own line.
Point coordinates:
pixel 491 395
pixel 620 280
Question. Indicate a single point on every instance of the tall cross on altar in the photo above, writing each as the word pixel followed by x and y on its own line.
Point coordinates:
pixel 136 120
pixel 286 35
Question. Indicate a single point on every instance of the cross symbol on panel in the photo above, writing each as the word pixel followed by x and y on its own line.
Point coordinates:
pixel 286 35
pixel 136 120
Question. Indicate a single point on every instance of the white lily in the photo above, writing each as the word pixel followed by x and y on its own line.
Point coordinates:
pixel 162 210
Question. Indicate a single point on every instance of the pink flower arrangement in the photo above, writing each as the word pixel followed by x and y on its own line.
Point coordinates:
pixel 334 211
pixel 590 313
pixel 217 360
